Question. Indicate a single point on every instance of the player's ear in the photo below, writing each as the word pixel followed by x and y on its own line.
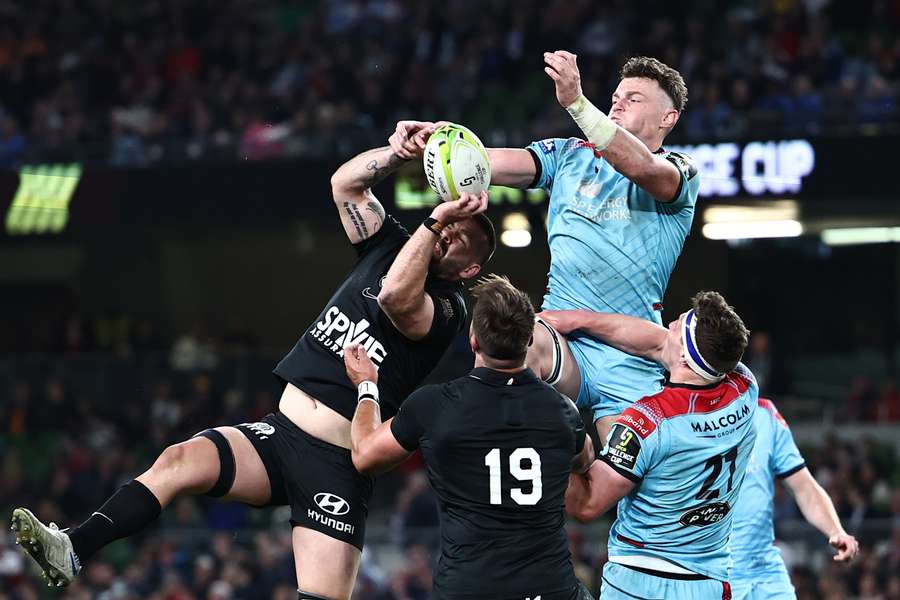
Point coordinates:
pixel 670 117
pixel 471 271
pixel 473 342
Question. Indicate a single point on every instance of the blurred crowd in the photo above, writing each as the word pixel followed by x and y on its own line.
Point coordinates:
pixel 132 83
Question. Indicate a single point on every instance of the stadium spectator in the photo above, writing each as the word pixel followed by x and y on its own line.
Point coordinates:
pixel 264 82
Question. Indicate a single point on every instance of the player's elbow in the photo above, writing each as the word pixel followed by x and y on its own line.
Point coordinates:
pixel 395 302
pixel 343 186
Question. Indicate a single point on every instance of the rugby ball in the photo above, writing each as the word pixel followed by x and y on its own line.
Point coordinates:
pixel 455 162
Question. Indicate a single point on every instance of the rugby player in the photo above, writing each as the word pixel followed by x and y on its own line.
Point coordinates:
pixel 498 445
pixel 674 461
pixel 759 571
pixel 403 301
pixel 620 209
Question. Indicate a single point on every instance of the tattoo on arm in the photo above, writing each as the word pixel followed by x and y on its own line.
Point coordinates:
pixel 376 208
pixel 357 219
pixel 377 172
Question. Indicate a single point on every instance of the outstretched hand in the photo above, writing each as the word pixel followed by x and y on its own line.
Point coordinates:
pixel 467 206
pixel 358 364
pixel 409 138
pixel 562 68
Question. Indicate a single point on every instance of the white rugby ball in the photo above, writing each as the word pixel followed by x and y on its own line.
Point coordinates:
pixel 455 162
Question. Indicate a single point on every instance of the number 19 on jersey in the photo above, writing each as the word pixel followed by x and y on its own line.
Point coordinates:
pixel 519 470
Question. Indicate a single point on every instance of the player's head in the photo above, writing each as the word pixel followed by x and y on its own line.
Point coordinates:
pixel 463 248
pixel 649 99
pixel 709 339
pixel 502 322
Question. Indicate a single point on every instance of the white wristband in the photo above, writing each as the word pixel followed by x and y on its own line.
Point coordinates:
pixel 597 127
pixel 367 390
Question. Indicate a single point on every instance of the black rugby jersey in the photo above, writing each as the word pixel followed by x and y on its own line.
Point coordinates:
pixel 498 448
pixel 352 315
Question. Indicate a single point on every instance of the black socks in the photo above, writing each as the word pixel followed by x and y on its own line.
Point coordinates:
pixel 128 511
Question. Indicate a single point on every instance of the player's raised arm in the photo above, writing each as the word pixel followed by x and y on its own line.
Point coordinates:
pixel 374 448
pixel 512 167
pixel 819 511
pixel 631 154
pixel 351 185
pixel 628 334
pixel 403 297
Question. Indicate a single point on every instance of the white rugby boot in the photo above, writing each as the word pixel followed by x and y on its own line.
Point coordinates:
pixel 48 546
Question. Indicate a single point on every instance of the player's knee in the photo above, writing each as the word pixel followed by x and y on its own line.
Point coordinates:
pixel 185 462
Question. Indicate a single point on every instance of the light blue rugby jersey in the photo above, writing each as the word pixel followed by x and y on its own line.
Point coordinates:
pixel 613 247
pixel 756 558
pixel 687 449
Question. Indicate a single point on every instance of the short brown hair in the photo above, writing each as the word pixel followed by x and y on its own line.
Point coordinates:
pixel 503 318
pixel 721 334
pixel 668 78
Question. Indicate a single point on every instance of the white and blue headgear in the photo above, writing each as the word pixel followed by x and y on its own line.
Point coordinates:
pixel 695 360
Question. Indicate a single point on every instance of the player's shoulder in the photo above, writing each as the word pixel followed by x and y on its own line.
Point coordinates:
pixel 677 399
pixel 771 411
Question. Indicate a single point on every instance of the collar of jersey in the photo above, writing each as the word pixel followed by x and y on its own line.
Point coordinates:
pixel 690 386
pixel 494 377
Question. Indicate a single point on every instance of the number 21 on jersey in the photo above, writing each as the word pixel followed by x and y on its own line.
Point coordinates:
pixel 531 473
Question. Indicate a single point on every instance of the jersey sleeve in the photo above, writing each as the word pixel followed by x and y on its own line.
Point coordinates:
pixel 633 445
pixel 546 155
pixel 391 231
pixel 689 186
pixel 413 418
pixel 573 418
pixel 449 315
pixel 785 459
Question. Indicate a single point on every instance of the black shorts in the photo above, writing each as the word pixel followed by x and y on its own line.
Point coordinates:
pixel 576 592
pixel 317 479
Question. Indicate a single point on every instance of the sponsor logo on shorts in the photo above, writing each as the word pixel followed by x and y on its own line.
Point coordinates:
pixel 262 430
pixel 331 503
pixel 547 146
pixel 330 521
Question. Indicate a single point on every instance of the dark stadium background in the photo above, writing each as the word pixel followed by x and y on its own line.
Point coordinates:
pixel 168 232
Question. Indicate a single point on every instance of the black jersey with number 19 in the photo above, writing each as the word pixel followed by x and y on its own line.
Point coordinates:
pixel 352 315
pixel 499 449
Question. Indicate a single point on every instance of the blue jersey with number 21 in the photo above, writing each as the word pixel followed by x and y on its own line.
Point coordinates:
pixel 687 449
pixel 612 249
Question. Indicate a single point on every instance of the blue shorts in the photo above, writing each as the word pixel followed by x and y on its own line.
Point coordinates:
pixel 778 588
pixel 622 583
pixel 611 381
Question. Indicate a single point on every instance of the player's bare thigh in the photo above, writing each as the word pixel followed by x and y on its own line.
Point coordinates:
pixel 540 360
pixel 325 566
pixel 193 467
